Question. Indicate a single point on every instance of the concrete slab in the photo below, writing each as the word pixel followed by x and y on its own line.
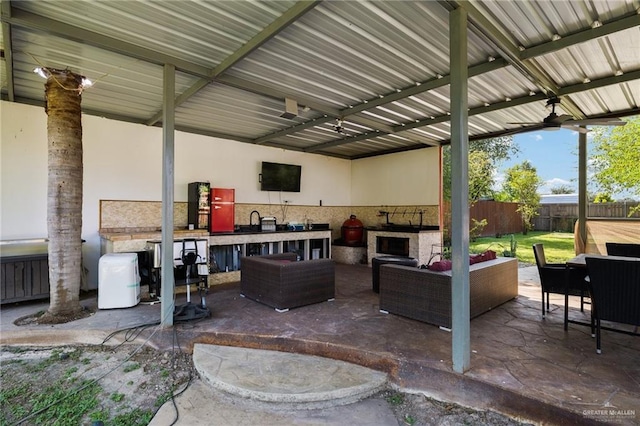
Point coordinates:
pixel 299 381
pixel 202 405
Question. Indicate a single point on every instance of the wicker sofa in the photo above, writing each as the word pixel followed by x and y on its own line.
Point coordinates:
pixel 425 295
pixel 277 280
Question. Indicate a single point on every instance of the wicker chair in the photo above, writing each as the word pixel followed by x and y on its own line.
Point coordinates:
pixel 623 249
pixel 559 279
pixel 615 290
pixel 279 281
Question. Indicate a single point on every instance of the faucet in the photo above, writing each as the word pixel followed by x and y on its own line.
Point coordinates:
pixel 251 218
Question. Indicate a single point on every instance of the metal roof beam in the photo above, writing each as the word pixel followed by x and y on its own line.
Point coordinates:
pixel 52 27
pixel 567 90
pixel 59 29
pixel 581 37
pixel 270 31
pixel 275 93
pixel 349 139
pixel 600 82
pixel 5 11
pixel 509 51
pixel 406 92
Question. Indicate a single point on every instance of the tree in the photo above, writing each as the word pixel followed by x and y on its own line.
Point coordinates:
pixel 64 193
pixel 616 155
pixel 484 157
pixel 521 185
pixel 602 197
pixel 562 189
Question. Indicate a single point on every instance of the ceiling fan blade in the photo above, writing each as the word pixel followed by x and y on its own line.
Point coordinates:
pixel 599 122
pixel 575 128
pixel 562 119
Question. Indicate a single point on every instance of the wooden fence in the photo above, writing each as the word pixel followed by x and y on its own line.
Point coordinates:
pixel 502 218
pixel 562 217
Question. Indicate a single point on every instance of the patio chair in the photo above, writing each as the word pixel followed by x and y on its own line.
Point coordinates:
pixel 615 292
pixel 623 249
pixel 559 279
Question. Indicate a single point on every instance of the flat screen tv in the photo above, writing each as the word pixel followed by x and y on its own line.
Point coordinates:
pixel 280 177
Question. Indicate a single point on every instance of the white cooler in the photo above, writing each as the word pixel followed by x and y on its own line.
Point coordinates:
pixel 118 281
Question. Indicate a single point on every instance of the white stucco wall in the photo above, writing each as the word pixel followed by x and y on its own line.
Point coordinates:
pixel 123 161
pixel 404 178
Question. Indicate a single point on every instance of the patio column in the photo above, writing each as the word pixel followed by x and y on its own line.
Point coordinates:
pixel 168 131
pixel 460 311
pixel 582 188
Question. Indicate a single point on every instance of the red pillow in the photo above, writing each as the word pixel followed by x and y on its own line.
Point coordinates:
pixel 443 265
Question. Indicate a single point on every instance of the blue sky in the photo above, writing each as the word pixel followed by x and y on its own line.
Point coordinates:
pixel 554 154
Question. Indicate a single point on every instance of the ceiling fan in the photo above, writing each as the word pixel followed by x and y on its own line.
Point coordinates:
pixel 554 121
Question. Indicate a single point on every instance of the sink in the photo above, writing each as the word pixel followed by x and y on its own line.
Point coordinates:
pixel 246 228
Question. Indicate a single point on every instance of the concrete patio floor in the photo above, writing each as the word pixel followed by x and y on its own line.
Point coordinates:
pixel 521 365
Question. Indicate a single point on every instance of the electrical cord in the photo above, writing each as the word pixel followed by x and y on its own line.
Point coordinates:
pixel 131 334
pixel 91 382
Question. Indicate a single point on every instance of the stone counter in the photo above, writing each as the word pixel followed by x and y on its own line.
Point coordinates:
pixel 136 239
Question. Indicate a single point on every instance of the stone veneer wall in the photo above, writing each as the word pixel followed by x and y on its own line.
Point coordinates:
pixel 141 216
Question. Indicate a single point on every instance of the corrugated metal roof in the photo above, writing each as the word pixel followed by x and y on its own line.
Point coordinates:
pixel 379 69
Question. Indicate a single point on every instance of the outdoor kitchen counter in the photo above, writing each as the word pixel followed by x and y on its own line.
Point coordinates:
pixel 136 239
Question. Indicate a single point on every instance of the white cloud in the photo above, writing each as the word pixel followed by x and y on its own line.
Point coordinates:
pixel 546 187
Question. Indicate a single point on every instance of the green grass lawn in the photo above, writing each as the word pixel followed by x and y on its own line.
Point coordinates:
pixel 558 246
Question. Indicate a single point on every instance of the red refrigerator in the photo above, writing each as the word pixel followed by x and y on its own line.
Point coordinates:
pixel 222 210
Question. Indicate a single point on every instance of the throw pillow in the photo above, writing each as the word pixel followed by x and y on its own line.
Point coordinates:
pixel 442 265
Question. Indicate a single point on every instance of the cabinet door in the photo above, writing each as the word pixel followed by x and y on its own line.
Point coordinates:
pixel 40 278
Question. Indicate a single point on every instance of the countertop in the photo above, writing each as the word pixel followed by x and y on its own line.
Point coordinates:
pixel 136 234
pixel 404 228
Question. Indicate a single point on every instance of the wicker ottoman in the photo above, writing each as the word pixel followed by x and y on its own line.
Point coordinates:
pixel 381 260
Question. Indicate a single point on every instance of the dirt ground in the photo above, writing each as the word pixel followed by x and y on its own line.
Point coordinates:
pixel 136 380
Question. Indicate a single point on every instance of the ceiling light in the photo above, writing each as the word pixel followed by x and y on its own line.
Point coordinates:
pixel 491 59
pixel 556 37
pixel 42 72
pixel 619 73
pixel 290 108
pixel 306 109
pixel 596 24
pixel 586 80
pixel 532 93
pixel 507 99
pixel 86 82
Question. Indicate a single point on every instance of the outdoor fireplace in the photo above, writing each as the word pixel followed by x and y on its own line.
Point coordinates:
pixel 392 245
pixel 417 244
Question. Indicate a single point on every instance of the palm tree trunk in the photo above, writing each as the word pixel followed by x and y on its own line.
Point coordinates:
pixel 64 192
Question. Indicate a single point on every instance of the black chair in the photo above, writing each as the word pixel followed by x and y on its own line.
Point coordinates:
pixel 615 291
pixel 559 279
pixel 623 249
